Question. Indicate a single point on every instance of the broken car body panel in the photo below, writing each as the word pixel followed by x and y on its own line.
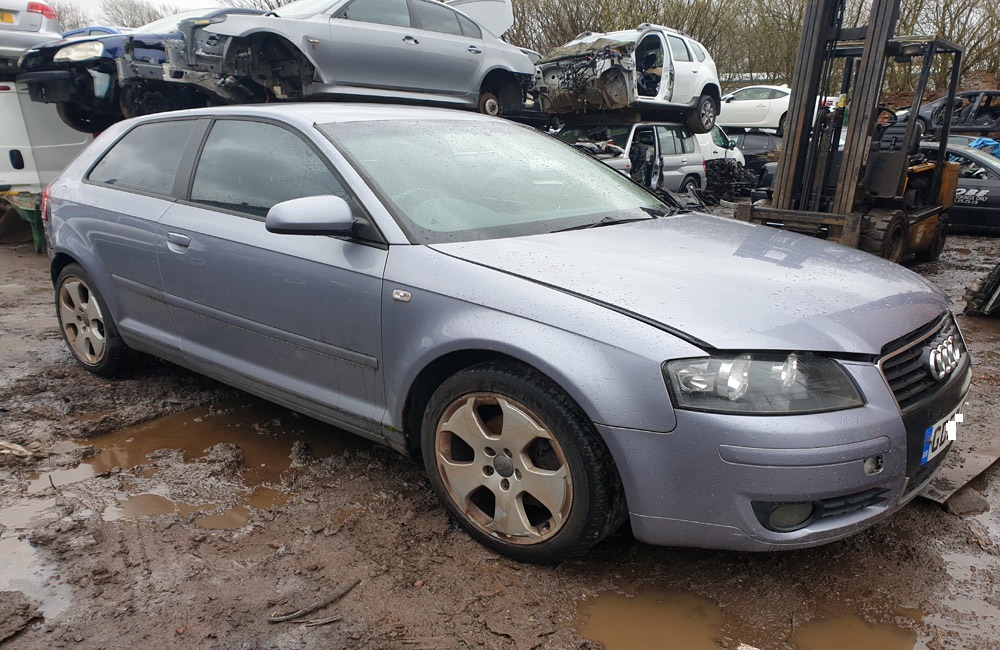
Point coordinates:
pixel 349 49
pixel 651 67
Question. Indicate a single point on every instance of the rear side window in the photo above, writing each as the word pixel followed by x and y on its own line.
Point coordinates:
pixel 469 28
pixel 435 17
pixel 674 141
pixel 383 12
pixel 678 49
pixel 146 159
pixel 699 51
pixel 250 166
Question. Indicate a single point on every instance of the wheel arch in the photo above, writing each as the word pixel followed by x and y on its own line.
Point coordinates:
pixel 258 37
pixel 503 83
pixel 713 91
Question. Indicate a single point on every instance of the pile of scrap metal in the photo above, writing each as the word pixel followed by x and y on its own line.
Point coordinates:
pixel 983 297
pixel 579 76
pixel 727 180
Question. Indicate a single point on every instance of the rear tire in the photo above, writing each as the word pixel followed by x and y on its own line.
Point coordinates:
pixel 690 185
pixel 87 326
pixel 489 104
pixel 884 234
pixel 702 118
pixel 519 465
pixel 781 126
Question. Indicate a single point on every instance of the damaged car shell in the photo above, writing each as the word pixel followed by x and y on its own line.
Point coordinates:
pixel 298 52
pixel 650 68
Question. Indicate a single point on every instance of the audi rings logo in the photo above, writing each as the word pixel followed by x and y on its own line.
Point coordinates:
pixel 943 358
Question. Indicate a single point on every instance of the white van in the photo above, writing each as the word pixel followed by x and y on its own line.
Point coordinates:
pixel 35 146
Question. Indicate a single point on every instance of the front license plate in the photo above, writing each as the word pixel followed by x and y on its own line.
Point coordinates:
pixel 937 438
pixel 6 17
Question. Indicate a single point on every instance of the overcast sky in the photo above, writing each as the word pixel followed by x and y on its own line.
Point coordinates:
pixel 93 7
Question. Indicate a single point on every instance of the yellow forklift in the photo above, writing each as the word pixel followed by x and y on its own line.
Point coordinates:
pixel 855 174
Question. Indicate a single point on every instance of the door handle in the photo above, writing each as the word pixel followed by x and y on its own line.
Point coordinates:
pixel 473 49
pixel 177 242
pixel 411 40
pixel 683 160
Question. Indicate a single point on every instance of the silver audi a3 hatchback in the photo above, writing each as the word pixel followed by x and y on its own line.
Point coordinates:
pixel 562 350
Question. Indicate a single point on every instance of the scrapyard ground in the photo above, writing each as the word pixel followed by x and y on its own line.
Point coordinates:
pixel 121 530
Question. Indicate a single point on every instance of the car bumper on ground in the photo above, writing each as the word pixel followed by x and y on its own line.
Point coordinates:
pixel 712 481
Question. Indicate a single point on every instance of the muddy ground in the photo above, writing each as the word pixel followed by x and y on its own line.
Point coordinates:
pixel 166 510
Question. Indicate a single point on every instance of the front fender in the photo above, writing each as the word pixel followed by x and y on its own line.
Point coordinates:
pixel 607 362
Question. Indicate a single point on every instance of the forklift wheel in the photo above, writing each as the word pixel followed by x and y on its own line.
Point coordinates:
pixel 933 252
pixel 884 234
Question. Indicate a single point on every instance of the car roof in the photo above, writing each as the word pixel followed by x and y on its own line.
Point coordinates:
pixel 978 155
pixel 327 112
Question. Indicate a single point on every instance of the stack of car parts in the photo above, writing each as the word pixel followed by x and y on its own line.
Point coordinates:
pixel 983 297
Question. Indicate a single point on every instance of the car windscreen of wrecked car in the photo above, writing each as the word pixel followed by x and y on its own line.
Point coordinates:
pixel 460 181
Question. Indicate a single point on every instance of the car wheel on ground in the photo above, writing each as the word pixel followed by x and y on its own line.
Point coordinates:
pixel 86 324
pixel 519 465
pixel 781 125
pixel 690 184
pixel 702 119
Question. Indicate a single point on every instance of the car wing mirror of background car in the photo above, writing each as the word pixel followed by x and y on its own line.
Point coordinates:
pixel 311 215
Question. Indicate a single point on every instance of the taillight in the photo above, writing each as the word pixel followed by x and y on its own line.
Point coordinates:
pixel 45 204
pixel 5 88
pixel 42 8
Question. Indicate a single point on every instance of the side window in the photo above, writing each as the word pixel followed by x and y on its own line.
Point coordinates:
pixel 678 49
pixel 435 17
pixel 686 138
pixel 146 159
pixel 383 12
pixel 469 28
pixel 743 95
pixel 249 166
pixel 776 94
pixel 719 138
pixel 699 51
pixel 755 142
pixel 669 142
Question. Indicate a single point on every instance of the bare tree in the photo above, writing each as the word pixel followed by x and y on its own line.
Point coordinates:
pixel 266 5
pixel 70 15
pixel 133 13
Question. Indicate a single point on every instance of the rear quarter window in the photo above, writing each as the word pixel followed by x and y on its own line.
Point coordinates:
pixel 146 159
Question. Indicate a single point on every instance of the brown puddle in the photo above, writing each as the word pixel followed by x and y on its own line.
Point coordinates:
pixel 652 620
pixel 20 568
pixel 670 621
pixel 264 432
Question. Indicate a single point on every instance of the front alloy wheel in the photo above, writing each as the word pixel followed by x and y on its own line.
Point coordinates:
pixel 519 465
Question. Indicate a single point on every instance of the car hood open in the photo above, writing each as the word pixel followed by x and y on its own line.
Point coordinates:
pixel 726 284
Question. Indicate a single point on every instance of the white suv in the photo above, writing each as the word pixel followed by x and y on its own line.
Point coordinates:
pixel 649 69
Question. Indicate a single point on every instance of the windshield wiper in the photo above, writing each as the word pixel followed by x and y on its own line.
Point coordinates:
pixel 656 214
pixel 606 221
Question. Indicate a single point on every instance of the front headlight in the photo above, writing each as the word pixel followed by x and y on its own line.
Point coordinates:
pixel 80 52
pixel 761 384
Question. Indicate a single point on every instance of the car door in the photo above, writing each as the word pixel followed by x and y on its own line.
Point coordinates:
pixel 293 317
pixel 685 71
pixel 452 49
pixel 746 107
pixel 130 191
pixel 977 198
pixel 643 153
pixel 677 159
pixel 374 44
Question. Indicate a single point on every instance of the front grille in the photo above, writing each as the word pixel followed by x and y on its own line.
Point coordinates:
pixel 904 364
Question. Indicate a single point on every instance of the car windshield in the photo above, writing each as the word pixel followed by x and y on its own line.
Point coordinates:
pixel 169 24
pixel 460 180
pixel 304 8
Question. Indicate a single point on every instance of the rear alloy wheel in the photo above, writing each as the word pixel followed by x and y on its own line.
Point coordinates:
pixel 87 326
pixel 702 118
pixel 518 465
pixel 489 104
pixel 690 185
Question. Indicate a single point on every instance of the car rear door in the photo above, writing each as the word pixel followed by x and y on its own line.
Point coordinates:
pixel 453 49
pixel 685 71
pixel 293 317
pixel 374 44
pixel 678 159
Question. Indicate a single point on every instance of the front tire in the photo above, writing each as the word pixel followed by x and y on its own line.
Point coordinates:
pixel 702 118
pixel 519 465
pixel 884 234
pixel 933 252
pixel 82 120
pixel 87 326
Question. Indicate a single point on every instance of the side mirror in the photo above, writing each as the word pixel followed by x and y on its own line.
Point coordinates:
pixel 731 144
pixel 311 215
pixel 729 99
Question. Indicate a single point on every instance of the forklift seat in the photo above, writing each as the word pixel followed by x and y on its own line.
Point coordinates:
pixel 892 136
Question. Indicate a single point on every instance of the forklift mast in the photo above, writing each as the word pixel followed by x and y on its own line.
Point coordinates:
pixel 844 172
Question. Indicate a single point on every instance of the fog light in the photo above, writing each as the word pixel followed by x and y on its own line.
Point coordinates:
pixel 873 465
pixel 786 517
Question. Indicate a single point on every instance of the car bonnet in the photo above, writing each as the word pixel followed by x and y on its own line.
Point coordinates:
pixel 728 284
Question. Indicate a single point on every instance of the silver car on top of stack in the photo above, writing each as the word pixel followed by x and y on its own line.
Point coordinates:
pixel 562 351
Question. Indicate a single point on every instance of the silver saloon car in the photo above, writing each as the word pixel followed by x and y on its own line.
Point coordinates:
pixel 562 351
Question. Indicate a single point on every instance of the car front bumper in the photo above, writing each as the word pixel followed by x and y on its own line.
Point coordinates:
pixel 697 485
pixel 86 86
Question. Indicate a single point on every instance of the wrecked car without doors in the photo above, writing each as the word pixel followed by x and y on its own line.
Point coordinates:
pixel 653 69
pixel 419 51
pixel 562 351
